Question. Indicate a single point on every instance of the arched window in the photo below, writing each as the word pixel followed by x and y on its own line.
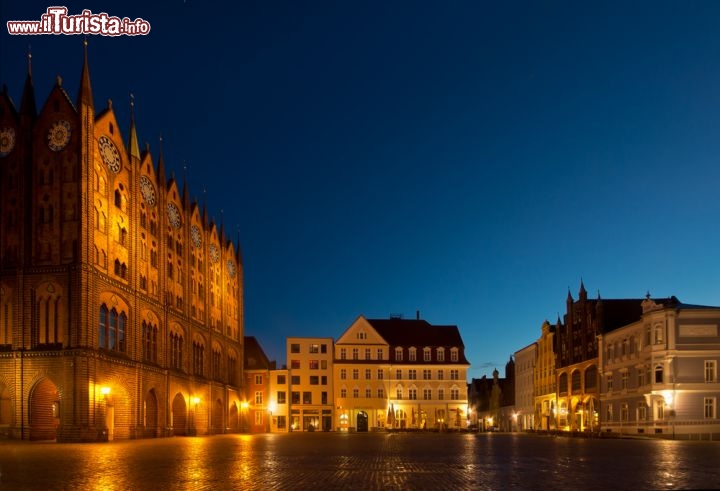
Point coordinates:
pixel 112 329
pixel 149 341
pixel 412 354
pixel 576 386
pixel 102 327
pixel 427 354
pixel 198 358
pixel 563 384
pixel 591 375
pixel 176 351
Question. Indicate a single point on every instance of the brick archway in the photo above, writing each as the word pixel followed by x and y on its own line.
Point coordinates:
pixel 179 415
pixel 44 410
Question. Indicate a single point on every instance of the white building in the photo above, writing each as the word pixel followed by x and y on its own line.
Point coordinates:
pixel 524 415
pixel 659 375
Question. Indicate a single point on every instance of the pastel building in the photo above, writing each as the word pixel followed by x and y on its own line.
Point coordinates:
pixel 659 374
pixel 310 368
pixel 400 374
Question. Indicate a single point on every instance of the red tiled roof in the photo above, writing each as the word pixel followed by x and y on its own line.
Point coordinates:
pixel 419 334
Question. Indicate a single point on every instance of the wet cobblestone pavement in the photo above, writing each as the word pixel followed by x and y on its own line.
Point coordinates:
pixel 362 461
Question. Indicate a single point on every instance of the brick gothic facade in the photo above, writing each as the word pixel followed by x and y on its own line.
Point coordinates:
pixel 121 305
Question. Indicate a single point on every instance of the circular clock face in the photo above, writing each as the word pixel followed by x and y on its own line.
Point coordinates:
pixel 147 190
pixel 195 236
pixel 214 253
pixel 110 154
pixel 231 268
pixel 174 215
pixel 7 140
pixel 59 135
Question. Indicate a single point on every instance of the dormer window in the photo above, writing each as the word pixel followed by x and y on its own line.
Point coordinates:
pixel 441 354
pixel 398 354
pixel 427 354
pixel 412 354
pixel 454 354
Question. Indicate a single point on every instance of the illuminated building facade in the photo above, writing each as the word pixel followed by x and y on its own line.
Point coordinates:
pixel 255 411
pixel 279 400
pixel 523 417
pixel 121 305
pixel 659 374
pixel 577 369
pixel 310 369
pixel 400 374
pixel 545 382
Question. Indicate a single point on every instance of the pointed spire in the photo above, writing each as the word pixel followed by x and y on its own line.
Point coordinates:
pixel 583 292
pixel 85 94
pixel 222 226
pixel 27 104
pixel 185 194
pixel 569 296
pixel 161 166
pixel 133 147
pixel 204 214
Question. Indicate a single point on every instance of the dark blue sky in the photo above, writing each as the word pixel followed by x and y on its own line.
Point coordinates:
pixel 471 160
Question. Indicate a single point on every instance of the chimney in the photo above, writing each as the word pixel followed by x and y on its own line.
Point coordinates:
pixel 417 315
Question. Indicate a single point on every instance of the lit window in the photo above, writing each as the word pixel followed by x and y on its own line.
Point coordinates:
pixel 709 408
pixel 710 370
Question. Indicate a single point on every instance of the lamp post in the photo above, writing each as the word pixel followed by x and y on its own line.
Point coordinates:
pixel 107 416
pixel 195 401
pixel 271 409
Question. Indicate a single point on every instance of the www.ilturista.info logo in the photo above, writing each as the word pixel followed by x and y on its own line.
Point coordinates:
pixel 57 21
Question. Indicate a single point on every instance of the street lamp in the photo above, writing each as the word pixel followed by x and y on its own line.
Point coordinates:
pixel 271 409
pixel 195 401
pixel 107 417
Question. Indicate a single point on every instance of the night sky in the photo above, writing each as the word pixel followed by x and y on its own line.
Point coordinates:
pixel 472 160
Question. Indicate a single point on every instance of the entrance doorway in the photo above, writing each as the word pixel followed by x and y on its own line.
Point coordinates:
pixel 44 411
pixel 362 421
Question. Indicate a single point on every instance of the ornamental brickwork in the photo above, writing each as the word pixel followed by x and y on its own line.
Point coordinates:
pixel 121 304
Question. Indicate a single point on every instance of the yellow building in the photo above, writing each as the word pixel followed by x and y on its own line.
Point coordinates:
pixel 545 381
pixel 121 306
pixel 310 368
pixel 400 374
